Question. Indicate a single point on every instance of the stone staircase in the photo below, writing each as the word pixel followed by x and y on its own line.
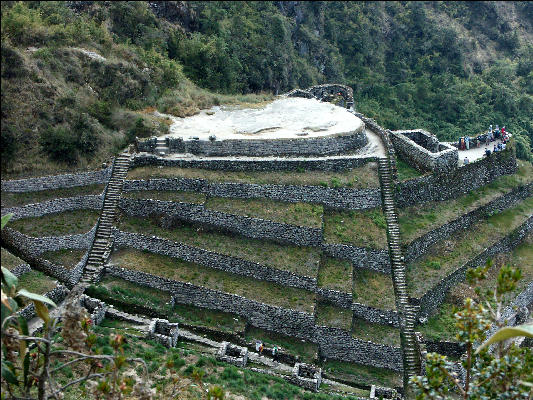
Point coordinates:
pixel 161 148
pixel 102 243
pixel 407 312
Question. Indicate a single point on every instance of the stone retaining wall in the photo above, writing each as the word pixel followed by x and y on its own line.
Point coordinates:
pixel 469 177
pixel 423 150
pixel 212 260
pixel 345 198
pixel 255 228
pixel 419 246
pixel 340 163
pixel 433 298
pixel 57 181
pixel 333 343
pixel 323 145
pixel 87 202
pixel 21 269
pixel 361 257
pixel 376 315
pixel 57 295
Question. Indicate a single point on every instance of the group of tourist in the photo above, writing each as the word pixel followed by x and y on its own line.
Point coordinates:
pixel 467 142
pixel 259 347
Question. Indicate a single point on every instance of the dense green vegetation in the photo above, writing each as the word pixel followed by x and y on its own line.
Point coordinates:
pixel 452 68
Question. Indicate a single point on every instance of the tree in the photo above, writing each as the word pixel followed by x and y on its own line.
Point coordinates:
pixel 504 371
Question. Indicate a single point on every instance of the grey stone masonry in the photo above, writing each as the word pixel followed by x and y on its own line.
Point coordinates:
pixel 163 332
pixel 57 295
pixel 321 92
pixel 211 259
pixel 56 181
pixel 375 315
pixel 419 246
pixel 88 202
pixel 434 187
pixel 434 297
pixel 333 343
pixel 307 376
pixel 232 354
pixel 345 198
pixel 361 257
pixel 325 145
pixel 340 163
pixel 96 308
pixel 21 269
pixel 423 150
pixel 255 228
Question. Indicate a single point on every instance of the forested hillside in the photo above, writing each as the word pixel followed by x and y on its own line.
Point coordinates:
pixel 452 68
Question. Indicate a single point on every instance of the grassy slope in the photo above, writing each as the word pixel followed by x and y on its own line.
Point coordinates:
pixel 66 223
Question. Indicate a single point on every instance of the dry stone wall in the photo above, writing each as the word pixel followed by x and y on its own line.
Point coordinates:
pixel 433 298
pixel 419 247
pixel 435 187
pixel 333 343
pixel 211 259
pixel 375 315
pixel 423 150
pixel 255 228
pixel 57 181
pixel 340 163
pixel 267 147
pixel 57 295
pixel 88 202
pixel 361 257
pixel 345 198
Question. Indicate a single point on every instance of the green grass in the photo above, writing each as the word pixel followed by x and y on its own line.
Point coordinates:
pixel 335 274
pixel 166 195
pixel 447 255
pixel 361 177
pixel 363 374
pixel 441 326
pixel 67 258
pixel 137 295
pixel 9 260
pixel 331 315
pixel 302 214
pixel 405 171
pixel 417 220
pixel 20 199
pixel 373 289
pixel 175 269
pixel 36 282
pixel 65 223
pixel 306 350
pixel 376 333
pixel 300 260
pixel 360 228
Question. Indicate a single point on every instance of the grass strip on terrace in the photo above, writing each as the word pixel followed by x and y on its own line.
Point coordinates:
pixel 330 315
pixel 301 214
pixel 19 199
pixel 58 224
pixel 306 350
pixel 9 260
pixel 405 171
pixel 167 195
pixel 360 177
pixel 299 260
pixel 362 374
pixel 36 282
pixel 417 220
pixel 182 271
pixel 132 294
pixel 376 333
pixel 335 274
pixel 446 256
pixel 359 228
pixel 373 289
pixel 68 258
pixel 442 325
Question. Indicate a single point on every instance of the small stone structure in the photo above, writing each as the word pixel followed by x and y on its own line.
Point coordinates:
pixel 323 92
pixel 96 308
pixel 163 332
pixel 424 151
pixel 232 354
pixel 307 376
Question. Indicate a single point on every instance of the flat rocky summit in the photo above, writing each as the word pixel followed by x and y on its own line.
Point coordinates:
pixel 285 118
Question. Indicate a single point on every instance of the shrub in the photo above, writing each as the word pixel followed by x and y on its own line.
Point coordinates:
pixel 60 145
